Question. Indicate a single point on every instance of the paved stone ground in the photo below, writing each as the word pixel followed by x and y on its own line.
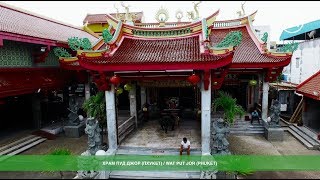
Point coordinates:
pixel 245 145
pixel 152 136
pixel 258 145
pixel 75 145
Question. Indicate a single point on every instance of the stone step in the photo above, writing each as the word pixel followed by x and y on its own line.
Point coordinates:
pixel 305 136
pixel 246 132
pixel 16 142
pixel 308 132
pixel 19 145
pixel 22 149
pixel 154 175
pixel 300 139
pixel 155 152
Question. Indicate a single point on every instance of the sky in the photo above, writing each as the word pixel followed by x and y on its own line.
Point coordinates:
pixel 279 15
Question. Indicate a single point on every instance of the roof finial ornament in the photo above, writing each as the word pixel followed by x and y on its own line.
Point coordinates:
pixel 179 15
pixel 118 17
pixel 191 14
pixel 162 16
pixel 242 14
pixel 128 17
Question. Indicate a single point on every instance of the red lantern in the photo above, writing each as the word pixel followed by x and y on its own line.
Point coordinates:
pixel 115 80
pixel 194 79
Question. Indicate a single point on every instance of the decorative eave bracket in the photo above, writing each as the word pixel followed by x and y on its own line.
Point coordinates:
pixel 206 79
pixel 272 74
pixel 40 57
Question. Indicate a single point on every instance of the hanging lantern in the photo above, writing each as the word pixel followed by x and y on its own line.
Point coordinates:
pixel 115 80
pixel 127 87
pixel 119 91
pixel 252 82
pixel 194 79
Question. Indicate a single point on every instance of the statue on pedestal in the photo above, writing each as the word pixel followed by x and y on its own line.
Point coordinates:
pixel 220 142
pixel 275 111
pixel 94 135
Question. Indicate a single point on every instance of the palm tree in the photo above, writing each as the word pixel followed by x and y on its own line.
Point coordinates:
pixel 95 107
pixel 229 106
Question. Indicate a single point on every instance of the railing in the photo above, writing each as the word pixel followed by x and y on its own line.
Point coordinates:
pixel 226 24
pixel 156 25
pixel 126 128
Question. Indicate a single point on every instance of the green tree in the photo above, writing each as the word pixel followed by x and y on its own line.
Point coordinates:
pixel 229 106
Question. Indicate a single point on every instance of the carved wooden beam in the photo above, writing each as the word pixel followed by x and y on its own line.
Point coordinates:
pixel 272 74
pixel 218 76
pixel 206 79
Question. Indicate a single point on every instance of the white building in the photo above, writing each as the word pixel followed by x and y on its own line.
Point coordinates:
pixel 306 59
pixel 305 62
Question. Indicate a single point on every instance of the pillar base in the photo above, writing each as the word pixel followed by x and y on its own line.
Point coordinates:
pixel 274 134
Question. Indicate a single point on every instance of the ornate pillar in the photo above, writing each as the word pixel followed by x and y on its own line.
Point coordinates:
pixel 111 118
pixel 133 103
pixel 265 89
pixel 143 96
pixel 205 112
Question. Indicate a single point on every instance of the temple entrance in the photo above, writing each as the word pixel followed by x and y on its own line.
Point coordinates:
pixel 179 101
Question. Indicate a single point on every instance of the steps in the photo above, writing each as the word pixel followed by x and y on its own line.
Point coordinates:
pixel 125 150
pixel 305 136
pixel 154 175
pixel 241 127
pixel 21 145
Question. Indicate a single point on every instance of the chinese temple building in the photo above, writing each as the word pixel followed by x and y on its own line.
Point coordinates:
pixel 181 61
pixel 166 65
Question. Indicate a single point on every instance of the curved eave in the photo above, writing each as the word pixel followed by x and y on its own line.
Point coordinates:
pixel 155 66
pixel 229 23
pixel 70 63
pixel 281 63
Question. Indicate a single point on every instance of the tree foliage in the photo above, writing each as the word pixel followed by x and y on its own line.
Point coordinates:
pixel 229 106
pixel 95 107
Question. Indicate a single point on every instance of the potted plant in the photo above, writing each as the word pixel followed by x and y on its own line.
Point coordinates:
pixel 229 106
pixel 95 107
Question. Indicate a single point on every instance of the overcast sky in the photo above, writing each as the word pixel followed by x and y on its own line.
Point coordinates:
pixel 278 14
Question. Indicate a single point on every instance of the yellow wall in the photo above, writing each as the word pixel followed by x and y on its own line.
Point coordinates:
pixel 97 28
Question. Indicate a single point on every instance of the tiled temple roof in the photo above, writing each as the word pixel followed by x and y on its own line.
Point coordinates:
pixel 21 22
pixel 310 87
pixel 247 51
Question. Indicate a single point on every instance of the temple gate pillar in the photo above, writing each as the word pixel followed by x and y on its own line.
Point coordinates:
pixel 143 96
pixel 205 114
pixel 265 89
pixel 133 103
pixel 111 118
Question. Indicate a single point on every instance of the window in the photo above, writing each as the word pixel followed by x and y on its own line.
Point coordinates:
pixel 297 62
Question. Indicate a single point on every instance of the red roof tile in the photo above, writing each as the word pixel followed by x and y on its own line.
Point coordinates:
pixel 101 18
pixel 311 87
pixel 247 51
pixel 18 21
pixel 160 51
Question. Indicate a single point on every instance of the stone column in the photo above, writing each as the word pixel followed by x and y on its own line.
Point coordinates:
pixel 133 103
pixel 87 91
pixel 143 96
pixel 265 89
pixel 205 118
pixel 111 118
